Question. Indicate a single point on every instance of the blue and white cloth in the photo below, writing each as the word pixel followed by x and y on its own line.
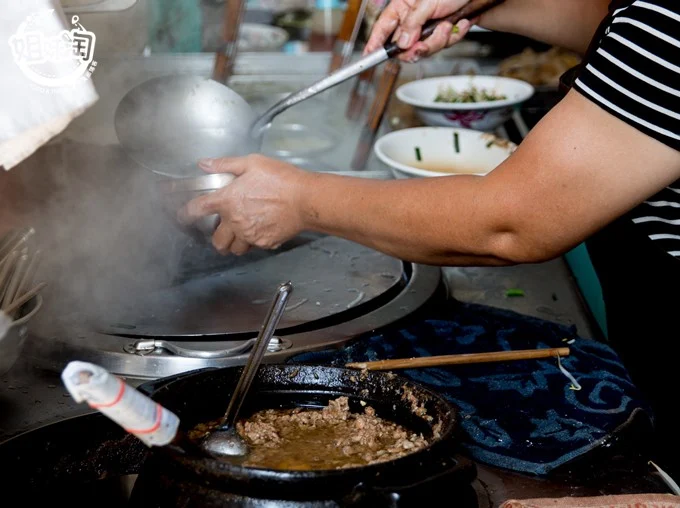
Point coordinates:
pixel 522 415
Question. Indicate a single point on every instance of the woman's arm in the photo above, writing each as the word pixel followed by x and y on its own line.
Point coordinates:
pixel 568 24
pixel 578 169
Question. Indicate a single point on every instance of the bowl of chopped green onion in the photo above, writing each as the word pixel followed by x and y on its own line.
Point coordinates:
pixel 470 102
pixel 441 151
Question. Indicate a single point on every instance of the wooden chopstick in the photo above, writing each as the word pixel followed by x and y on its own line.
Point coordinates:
pixel 438 361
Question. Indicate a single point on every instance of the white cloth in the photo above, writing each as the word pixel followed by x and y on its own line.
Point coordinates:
pixel 39 93
pixel 131 409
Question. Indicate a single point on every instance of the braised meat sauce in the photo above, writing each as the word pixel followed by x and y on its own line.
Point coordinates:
pixel 317 439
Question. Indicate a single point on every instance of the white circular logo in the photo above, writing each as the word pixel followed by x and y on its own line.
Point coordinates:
pixel 51 56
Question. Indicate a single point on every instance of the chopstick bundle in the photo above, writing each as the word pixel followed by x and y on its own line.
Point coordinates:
pixel 18 266
pixel 24 298
pixel 15 280
pixel 6 271
pixel 13 241
pixel 463 359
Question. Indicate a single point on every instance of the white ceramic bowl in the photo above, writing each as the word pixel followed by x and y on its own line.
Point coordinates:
pixel 477 153
pixel 484 116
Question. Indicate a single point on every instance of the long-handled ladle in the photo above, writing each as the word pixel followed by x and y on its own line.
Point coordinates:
pixel 225 441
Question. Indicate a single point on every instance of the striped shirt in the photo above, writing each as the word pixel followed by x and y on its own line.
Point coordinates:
pixel 634 74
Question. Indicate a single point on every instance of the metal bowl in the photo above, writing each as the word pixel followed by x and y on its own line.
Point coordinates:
pixel 12 343
pixel 175 193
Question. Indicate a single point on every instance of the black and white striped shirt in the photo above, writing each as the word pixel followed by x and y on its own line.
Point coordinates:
pixel 635 75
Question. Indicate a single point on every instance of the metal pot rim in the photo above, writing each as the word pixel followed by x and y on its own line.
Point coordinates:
pixel 208 182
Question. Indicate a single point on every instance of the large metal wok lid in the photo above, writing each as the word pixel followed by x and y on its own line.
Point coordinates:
pixel 331 277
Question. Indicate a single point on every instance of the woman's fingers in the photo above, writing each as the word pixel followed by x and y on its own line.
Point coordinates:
pixel 239 247
pixel 444 36
pixel 412 23
pixel 199 207
pixel 223 238
pixel 385 25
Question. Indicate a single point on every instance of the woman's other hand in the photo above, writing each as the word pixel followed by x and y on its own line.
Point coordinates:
pixel 405 19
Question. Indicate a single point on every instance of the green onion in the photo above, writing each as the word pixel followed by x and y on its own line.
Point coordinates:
pixel 455 29
pixel 456 142
pixel 514 292
pixel 418 157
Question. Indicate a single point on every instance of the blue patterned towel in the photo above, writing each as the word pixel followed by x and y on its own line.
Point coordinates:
pixel 520 415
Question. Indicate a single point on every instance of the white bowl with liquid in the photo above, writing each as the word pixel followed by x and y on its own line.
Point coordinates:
pixel 441 151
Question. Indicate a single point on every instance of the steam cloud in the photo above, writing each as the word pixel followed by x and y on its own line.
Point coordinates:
pixel 104 237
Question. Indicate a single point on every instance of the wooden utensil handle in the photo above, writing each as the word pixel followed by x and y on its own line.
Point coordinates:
pixel 439 361
pixel 349 20
pixel 226 53
pixel 470 10
pixel 377 113
pixel 385 89
pixel 344 37
pixel 232 19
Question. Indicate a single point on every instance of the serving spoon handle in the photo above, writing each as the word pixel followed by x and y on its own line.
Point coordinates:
pixel 225 441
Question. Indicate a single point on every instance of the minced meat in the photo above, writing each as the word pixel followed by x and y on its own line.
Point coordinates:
pixel 330 438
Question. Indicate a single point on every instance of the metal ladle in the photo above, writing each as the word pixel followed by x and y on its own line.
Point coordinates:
pixel 225 441
pixel 168 123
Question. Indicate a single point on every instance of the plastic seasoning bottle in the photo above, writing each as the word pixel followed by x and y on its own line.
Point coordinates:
pixel 325 24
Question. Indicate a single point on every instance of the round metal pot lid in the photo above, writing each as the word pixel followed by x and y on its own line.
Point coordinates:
pixel 332 278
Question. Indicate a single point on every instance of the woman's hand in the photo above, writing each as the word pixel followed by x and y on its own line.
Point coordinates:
pixel 259 208
pixel 407 17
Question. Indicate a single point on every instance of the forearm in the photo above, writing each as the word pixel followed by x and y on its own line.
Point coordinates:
pixel 569 24
pixel 398 217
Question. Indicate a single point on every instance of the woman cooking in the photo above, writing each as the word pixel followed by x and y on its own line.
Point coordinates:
pixel 603 166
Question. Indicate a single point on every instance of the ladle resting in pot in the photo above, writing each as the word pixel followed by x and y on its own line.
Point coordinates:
pixel 225 441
